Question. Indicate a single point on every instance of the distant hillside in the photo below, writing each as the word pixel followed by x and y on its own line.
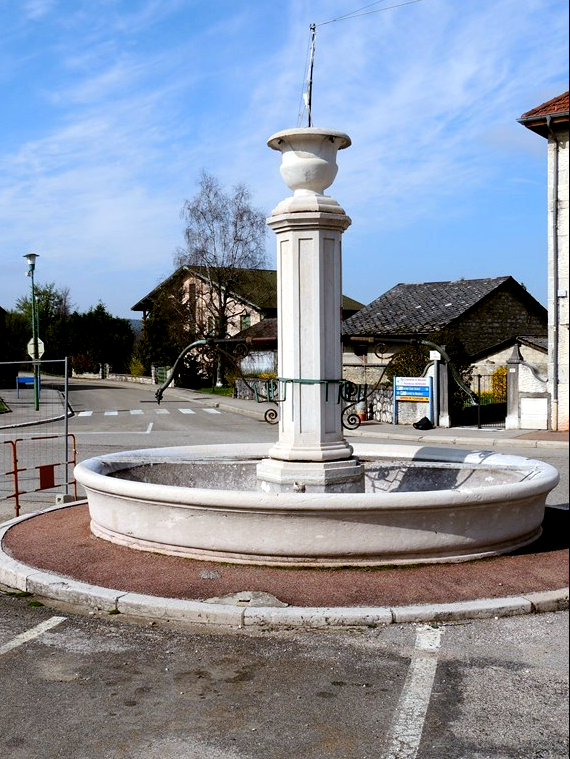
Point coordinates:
pixel 136 325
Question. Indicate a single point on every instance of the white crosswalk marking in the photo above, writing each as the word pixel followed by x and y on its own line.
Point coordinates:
pixel 140 412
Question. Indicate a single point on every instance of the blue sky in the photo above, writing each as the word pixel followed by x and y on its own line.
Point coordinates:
pixel 110 109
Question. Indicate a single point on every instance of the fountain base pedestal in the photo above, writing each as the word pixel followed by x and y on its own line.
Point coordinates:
pixel 344 476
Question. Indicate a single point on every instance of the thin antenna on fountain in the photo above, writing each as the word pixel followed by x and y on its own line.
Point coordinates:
pixel 310 79
pixel 307 95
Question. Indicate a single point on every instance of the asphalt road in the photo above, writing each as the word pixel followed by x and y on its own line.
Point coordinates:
pixel 111 418
pixel 87 686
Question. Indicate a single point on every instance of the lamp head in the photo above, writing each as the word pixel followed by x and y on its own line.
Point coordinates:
pixel 31 259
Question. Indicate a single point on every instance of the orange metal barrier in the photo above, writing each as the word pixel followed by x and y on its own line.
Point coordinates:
pixel 43 474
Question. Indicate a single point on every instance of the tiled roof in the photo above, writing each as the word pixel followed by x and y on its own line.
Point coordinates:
pixel 412 309
pixel 535 341
pixel 558 104
pixel 266 329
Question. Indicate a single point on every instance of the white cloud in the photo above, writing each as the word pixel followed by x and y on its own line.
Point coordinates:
pixel 37 9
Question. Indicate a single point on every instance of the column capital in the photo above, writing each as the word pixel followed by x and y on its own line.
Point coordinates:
pixel 309 220
pixel 308 203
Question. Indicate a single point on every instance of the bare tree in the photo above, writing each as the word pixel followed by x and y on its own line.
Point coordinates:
pixel 225 241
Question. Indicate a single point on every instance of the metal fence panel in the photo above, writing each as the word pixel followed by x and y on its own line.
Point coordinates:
pixel 37 453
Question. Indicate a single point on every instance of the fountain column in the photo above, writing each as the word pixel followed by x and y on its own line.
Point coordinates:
pixel 311 454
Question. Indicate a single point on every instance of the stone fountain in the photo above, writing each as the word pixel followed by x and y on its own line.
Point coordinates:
pixel 311 499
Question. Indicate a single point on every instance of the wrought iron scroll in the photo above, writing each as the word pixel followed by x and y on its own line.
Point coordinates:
pixel 348 393
pixel 345 392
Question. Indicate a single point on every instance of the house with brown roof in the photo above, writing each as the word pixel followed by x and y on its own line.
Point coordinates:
pixel 252 308
pixel 253 297
pixel 550 120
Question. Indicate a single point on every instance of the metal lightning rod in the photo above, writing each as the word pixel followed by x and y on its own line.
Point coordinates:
pixel 313 29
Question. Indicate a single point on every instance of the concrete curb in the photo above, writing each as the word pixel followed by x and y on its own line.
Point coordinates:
pixel 15 574
pixel 36 423
pixel 477 442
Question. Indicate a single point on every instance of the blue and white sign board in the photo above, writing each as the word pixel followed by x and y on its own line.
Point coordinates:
pixel 415 390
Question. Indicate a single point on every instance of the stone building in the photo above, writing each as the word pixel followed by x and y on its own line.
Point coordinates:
pixel 550 120
pixel 483 313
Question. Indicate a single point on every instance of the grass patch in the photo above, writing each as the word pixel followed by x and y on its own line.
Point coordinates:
pixel 35 604
pixel 18 593
pixel 3 407
pixel 225 391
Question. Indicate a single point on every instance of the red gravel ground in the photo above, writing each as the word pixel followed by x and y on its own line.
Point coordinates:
pixel 60 541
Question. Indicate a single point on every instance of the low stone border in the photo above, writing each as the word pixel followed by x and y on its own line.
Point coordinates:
pixel 19 576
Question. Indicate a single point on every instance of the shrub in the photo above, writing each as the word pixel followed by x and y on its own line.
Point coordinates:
pixel 499 384
pixel 136 367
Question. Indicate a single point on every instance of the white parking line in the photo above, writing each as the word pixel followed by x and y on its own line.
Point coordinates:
pixel 111 413
pixel 403 740
pixel 136 411
pixel 161 411
pixel 34 632
pixel 186 411
pixel 85 413
pixel 212 411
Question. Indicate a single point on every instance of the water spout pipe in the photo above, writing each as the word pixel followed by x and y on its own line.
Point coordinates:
pixel 226 341
pixel 160 392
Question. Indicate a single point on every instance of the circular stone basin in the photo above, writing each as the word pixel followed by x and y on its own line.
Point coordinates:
pixel 420 504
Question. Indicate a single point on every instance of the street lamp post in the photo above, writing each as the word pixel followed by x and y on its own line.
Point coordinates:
pixel 31 259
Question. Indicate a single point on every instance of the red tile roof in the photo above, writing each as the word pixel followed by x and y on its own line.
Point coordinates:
pixel 558 104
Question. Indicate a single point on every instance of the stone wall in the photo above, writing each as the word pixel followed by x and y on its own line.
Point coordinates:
pixel 245 389
pixel 494 320
pixel 140 380
pixel 382 404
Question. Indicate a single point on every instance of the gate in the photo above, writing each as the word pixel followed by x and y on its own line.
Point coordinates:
pixel 491 411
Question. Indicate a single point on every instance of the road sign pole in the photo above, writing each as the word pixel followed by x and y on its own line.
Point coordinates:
pixel 35 339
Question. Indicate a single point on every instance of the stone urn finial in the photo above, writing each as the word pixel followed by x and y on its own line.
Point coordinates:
pixel 308 165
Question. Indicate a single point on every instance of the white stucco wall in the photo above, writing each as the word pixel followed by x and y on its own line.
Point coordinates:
pixel 490 364
pixel 558 312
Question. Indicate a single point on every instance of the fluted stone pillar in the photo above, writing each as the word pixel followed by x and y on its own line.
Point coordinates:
pixel 311 454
